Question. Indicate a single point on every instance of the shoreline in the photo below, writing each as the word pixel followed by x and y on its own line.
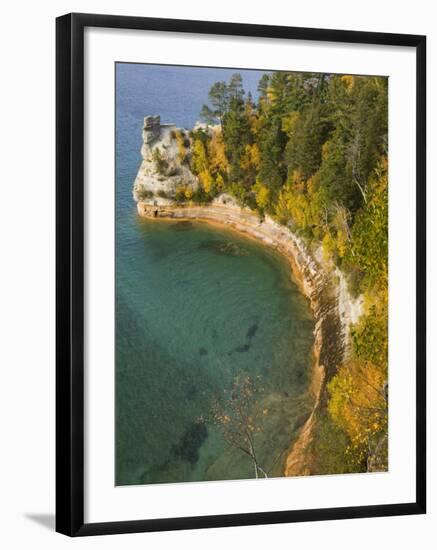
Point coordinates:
pixel 331 306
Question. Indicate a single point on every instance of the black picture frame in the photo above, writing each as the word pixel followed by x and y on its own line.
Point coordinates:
pixel 70 273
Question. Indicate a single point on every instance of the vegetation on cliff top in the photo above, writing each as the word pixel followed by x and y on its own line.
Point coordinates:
pixel 312 153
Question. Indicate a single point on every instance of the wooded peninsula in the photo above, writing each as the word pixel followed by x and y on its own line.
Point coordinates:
pixel 311 153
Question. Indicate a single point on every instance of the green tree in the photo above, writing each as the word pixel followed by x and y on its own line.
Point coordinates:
pixel 236 135
pixel 219 98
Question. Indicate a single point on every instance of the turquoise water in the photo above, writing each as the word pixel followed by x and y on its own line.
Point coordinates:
pixel 196 306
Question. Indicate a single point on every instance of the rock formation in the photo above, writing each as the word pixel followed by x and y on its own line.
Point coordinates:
pixel 165 168
pixel 151 128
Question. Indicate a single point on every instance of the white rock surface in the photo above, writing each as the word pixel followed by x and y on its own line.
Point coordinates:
pixel 149 181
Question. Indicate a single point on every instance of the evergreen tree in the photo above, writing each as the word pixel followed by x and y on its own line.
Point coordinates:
pixel 236 135
pixel 219 98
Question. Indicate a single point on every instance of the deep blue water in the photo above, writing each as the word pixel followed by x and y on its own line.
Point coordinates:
pixel 190 318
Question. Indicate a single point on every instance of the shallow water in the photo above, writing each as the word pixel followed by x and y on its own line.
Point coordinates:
pixel 196 306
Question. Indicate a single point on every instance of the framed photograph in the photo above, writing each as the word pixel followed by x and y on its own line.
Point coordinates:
pixel 240 274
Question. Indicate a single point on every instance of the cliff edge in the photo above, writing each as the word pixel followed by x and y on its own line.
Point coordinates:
pixel 166 153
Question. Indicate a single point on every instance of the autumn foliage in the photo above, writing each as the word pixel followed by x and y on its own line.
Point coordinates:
pixel 312 153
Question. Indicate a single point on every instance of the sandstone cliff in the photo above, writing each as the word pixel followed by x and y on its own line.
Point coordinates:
pixel 164 168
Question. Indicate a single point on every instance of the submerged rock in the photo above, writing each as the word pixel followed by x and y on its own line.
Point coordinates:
pixel 232 249
pixel 251 331
pixel 190 443
pixel 241 349
pixel 228 248
pixel 181 226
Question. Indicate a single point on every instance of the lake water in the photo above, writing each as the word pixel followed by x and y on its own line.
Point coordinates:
pixel 196 307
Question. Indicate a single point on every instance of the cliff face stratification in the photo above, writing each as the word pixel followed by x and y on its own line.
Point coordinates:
pixel 164 167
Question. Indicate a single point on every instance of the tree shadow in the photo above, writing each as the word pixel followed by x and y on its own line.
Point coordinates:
pixel 46 520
